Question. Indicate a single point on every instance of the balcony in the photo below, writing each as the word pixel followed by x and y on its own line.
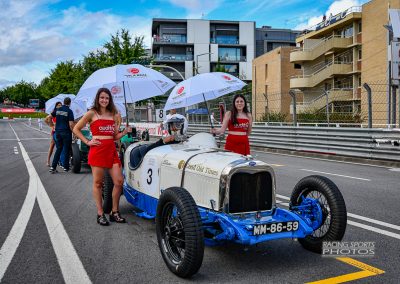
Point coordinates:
pixel 170 39
pixel 334 95
pixel 327 71
pixel 329 44
pixel 232 58
pixel 173 57
pixel 225 40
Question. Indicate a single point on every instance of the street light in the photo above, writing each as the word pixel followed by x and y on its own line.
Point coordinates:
pixel 197 61
pixel 166 66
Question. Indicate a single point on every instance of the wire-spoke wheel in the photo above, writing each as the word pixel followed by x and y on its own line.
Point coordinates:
pixel 334 214
pixel 179 232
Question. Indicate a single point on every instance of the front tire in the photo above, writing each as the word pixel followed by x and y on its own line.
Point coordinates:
pixel 179 232
pixel 334 214
pixel 76 159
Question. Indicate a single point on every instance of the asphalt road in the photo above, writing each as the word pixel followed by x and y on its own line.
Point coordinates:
pixel 62 241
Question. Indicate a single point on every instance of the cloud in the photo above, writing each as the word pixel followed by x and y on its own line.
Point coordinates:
pixel 32 34
pixel 335 8
pixel 197 8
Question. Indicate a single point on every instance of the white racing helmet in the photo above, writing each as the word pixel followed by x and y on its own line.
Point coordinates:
pixel 177 124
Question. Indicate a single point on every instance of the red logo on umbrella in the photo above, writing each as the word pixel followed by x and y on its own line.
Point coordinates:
pixel 180 90
pixel 226 77
pixel 133 70
pixel 115 90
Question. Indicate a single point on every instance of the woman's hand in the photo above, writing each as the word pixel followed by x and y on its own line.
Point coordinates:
pixel 213 131
pixel 93 142
pixel 127 129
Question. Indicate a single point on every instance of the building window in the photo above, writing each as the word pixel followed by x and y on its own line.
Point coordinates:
pixel 266 71
pixel 359 54
pixel 359 81
pixel 359 27
pixel 297 66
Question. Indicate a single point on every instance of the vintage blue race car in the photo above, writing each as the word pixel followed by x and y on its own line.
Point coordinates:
pixel 200 194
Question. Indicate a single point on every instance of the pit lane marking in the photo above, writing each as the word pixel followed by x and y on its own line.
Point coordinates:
pixel 325 173
pixel 366 271
pixel 70 264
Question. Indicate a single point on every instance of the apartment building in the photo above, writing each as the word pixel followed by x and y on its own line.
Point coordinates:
pixel 341 53
pixel 268 38
pixel 198 46
pixel 271 79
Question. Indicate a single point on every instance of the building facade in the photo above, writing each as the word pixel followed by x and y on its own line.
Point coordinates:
pixel 198 46
pixel 268 39
pixel 271 79
pixel 340 54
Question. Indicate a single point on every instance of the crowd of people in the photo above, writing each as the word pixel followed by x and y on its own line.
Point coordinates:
pixel 104 122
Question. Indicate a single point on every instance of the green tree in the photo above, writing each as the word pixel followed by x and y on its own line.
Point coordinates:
pixel 63 79
pixel 21 92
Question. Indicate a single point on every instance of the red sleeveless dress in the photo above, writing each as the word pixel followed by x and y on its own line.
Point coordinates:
pixel 238 143
pixel 104 155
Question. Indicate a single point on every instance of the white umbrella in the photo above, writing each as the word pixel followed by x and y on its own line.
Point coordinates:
pixel 78 107
pixel 201 88
pixel 127 83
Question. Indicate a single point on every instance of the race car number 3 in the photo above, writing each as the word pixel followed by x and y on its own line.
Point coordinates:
pixel 271 228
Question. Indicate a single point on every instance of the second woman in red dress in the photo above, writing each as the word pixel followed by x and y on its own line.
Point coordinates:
pixel 238 121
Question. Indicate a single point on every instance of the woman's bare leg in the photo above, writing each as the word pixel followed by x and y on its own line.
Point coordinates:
pixel 98 175
pixel 116 175
pixel 51 148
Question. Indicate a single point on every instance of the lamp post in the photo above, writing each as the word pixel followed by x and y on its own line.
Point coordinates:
pixel 169 67
pixel 197 61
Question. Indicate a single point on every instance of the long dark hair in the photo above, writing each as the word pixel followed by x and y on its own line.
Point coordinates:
pixel 55 106
pixel 234 111
pixel 110 107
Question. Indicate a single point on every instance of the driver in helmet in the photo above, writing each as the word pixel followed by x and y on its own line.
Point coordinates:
pixel 177 126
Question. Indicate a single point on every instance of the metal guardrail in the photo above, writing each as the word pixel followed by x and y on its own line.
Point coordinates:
pixel 366 143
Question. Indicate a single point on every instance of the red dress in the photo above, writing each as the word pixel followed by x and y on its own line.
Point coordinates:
pixel 238 143
pixel 104 155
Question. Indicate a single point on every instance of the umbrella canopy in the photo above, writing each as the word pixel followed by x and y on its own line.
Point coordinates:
pixel 78 107
pixel 202 87
pixel 133 81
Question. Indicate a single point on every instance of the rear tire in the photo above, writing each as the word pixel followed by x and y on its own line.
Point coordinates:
pixel 179 232
pixel 108 186
pixel 333 209
pixel 76 159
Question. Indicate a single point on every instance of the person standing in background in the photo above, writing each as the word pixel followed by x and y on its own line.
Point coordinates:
pixel 40 122
pixel 51 122
pixel 238 121
pixel 63 134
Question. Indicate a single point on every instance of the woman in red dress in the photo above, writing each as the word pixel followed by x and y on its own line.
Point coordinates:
pixel 238 121
pixel 103 154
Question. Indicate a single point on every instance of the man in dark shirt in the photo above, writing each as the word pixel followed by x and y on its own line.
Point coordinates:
pixel 63 134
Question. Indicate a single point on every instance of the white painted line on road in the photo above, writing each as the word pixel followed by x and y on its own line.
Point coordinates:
pixel 321 159
pixel 360 225
pixel 283 197
pixel 16 150
pixel 37 138
pixel 13 239
pixel 8 139
pixel 70 264
pixel 37 129
pixel 374 221
pixel 373 229
pixel 395 169
pixel 325 173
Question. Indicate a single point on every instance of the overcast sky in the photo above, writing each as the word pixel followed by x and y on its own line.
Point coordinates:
pixel 36 34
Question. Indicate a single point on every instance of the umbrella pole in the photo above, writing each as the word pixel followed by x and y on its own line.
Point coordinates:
pixel 126 106
pixel 208 111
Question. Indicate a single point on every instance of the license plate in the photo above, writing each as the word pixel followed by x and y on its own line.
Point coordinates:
pixel 272 228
